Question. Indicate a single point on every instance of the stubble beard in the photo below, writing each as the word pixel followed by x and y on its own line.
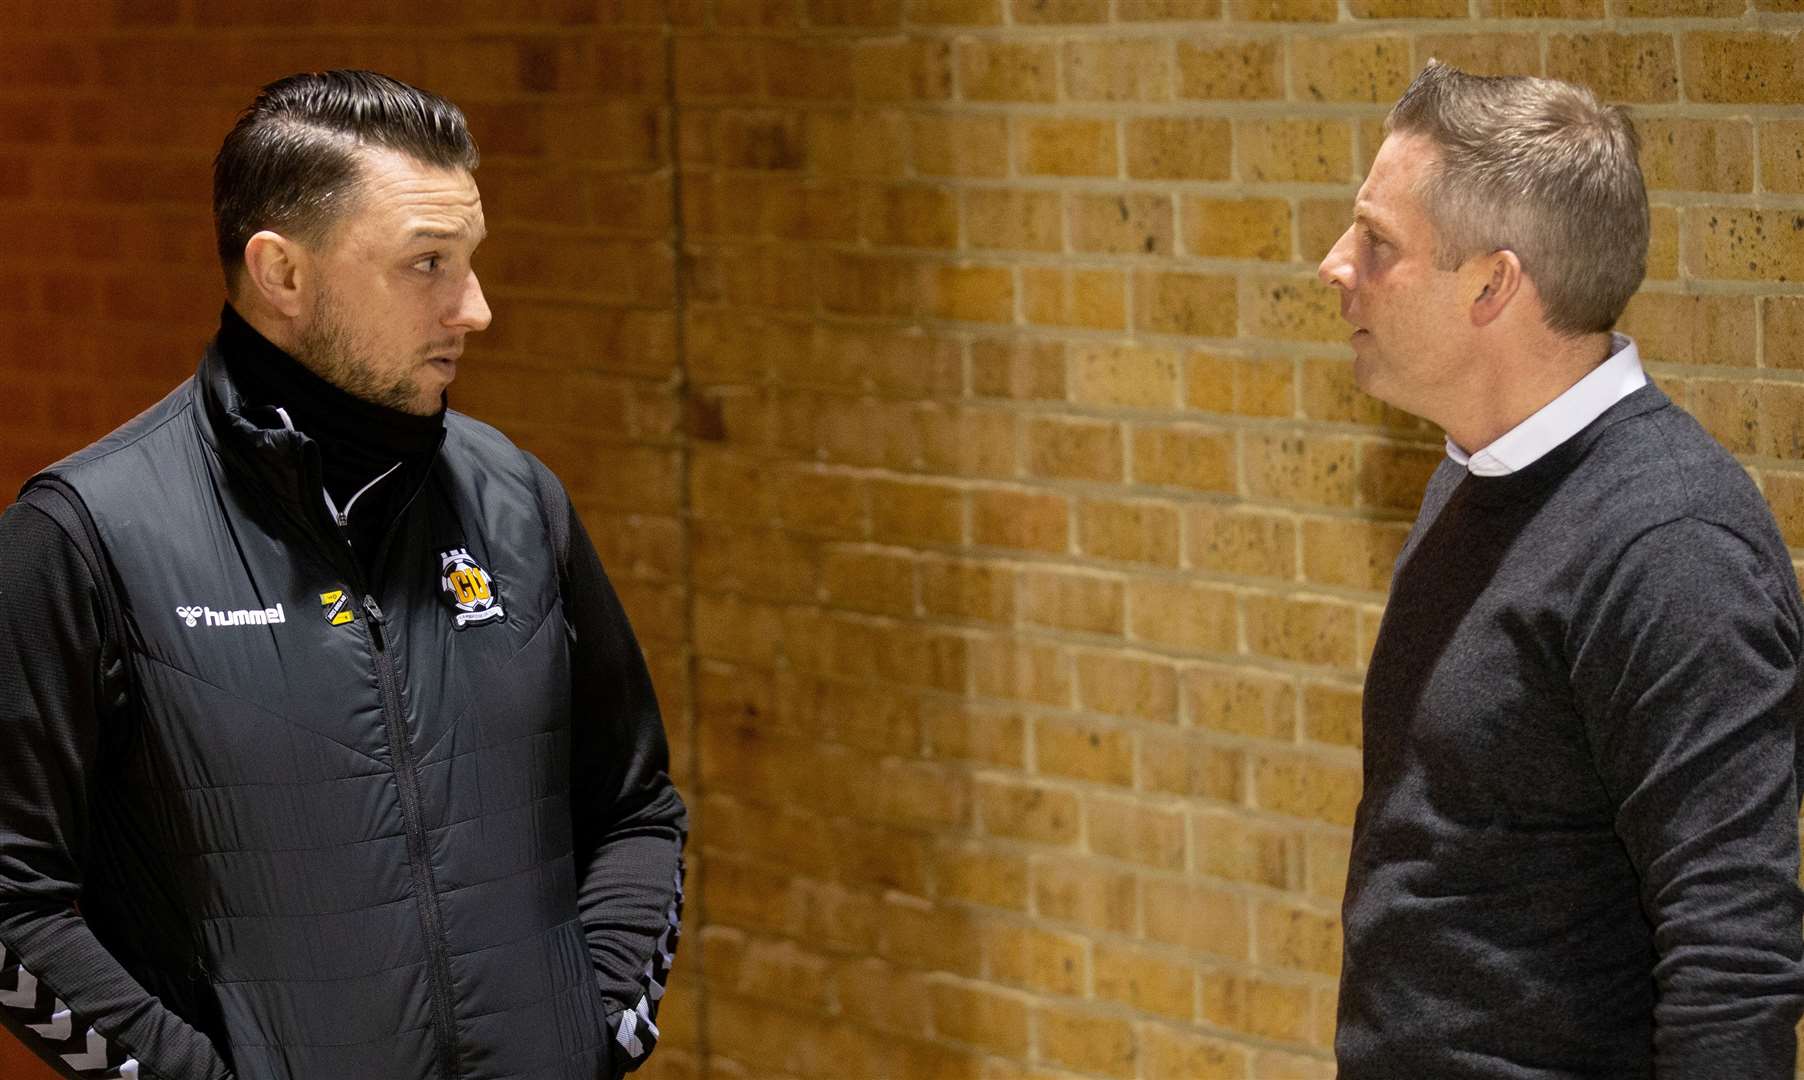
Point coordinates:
pixel 330 349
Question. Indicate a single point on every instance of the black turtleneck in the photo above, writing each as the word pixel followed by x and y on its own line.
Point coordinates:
pixel 358 440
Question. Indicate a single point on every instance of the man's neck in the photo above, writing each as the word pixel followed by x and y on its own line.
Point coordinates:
pixel 1520 383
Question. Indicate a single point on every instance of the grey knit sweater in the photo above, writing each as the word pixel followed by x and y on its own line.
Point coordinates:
pixel 1577 850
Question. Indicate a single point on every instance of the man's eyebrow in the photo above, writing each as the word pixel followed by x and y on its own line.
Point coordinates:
pixel 441 234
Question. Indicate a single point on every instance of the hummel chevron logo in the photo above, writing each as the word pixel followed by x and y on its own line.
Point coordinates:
pixel 194 616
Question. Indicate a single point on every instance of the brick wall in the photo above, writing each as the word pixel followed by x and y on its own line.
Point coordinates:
pixel 990 489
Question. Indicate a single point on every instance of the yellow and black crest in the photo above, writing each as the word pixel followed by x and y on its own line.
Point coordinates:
pixel 468 589
pixel 339 608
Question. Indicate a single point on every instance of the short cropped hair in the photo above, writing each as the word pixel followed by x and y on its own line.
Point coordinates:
pixel 291 163
pixel 1541 168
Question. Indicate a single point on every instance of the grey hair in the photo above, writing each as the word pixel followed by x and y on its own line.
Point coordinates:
pixel 1541 168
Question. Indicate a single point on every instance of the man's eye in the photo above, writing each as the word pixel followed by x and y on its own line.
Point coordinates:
pixel 428 265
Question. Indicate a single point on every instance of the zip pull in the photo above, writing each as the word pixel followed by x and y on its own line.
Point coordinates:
pixel 374 611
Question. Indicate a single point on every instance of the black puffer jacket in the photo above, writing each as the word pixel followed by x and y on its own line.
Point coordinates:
pixel 259 815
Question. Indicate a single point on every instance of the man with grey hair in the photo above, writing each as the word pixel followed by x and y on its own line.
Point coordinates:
pixel 1577 849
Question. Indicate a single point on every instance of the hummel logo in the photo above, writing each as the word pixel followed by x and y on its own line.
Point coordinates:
pixel 193 616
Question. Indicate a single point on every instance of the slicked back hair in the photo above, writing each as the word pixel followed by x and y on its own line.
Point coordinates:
pixel 292 162
pixel 1541 168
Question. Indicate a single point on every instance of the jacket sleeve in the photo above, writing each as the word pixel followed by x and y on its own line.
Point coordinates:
pixel 630 824
pixel 1687 674
pixel 61 992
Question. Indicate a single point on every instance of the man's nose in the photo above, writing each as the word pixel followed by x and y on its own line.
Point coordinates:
pixel 472 311
pixel 1337 265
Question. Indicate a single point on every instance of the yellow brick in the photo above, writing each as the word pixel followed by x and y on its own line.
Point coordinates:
pixel 1167 10
pixel 971 1013
pixel 1742 67
pixel 1320 222
pixel 1729 410
pixel 955 12
pixel 1352 553
pixel 1393 476
pixel 1262 1007
pixel 1294 467
pixel 1237 540
pixel 1305 786
pixel 910 216
pixel 1292 309
pixel 871 285
pixel 1697 155
pixel 1237 69
pixel 1057 296
pixel 1188 456
pixel 1196 917
pixel 1782 319
pixel 914 70
pixel 1023 671
pixel 1231 847
pixel 1782 155
pixel 1030 520
pixel 1241 702
pixel 973 293
pixel 1072 601
pixel 1109 682
pixel 950 144
pixel 758 563
pixel 1331 714
pixel 1074 449
pixel 1166 1051
pixel 973 733
pixel 1141 532
pixel 1039 959
pixel 1134 832
pixel 1301 630
pixel 1089 893
pixel 1185 765
pixel 1179 148
pixel 865 142
pixel 1089 1042
pixel 1017 368
pixel 968 590
pixel 1014 220
pixel 1118 70
pixel 1027 812
pixel 1298 939
pixel 1240 385
pixel 1030 12
pixel 906 935
pixel 1371 68
pixel 1283 10
pixel 1238 228
pixel 1328 392
pixel 1663 245
pixel 1317 151
pixel 1407 9
pixel 1187 617
pixel 716 67
pixel 877 994
pixel 1483 54
pixel 1619 67
pixel 967 871
pixel 1068 147
pixel 1669 9
pixel 1082 750
pixel 1326 855
pixel 1145 980
pixel 1781 420
pixel 1292 1066
pixel 799 70
pixel 966 442
pixel 1007 71
pixel 1128 375
pixel 1541 9
pixel 1126 224
pixel 1692 329
pixel 1196 305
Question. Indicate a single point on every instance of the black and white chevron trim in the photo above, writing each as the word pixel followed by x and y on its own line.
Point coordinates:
pixel 638 1030
pixel 60 1035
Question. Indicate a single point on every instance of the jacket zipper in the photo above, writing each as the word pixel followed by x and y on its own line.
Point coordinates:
pixel 408 783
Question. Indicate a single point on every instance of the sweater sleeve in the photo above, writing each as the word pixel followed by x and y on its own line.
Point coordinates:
pixel 61 992
pixel 1687 676
pixel 630 824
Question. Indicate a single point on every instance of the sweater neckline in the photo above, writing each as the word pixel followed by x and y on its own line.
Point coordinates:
pixel 1562 459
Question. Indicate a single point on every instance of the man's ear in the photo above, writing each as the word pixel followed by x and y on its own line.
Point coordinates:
pixel 274 266
pixel 1492 281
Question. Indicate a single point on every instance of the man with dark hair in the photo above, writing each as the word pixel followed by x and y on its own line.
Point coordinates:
pixel 326 750
pixel 1576 854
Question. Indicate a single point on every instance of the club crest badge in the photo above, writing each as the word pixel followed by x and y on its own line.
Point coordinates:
pixel 468 589
pixel 338 607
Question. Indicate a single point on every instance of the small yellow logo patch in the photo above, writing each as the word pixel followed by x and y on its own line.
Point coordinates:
pixel 339 609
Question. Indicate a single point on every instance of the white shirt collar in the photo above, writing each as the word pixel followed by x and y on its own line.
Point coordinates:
pixel 1562 418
